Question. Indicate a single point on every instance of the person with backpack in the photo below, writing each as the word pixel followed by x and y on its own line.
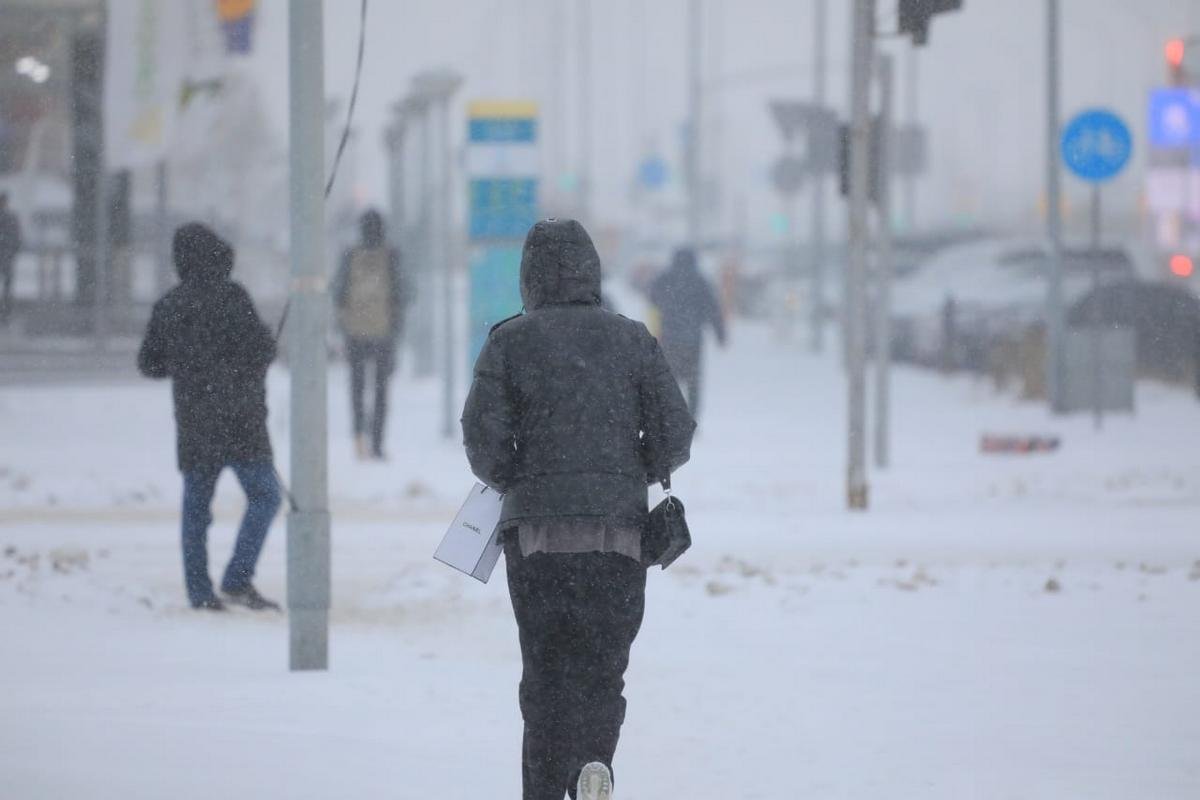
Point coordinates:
pixel 572 414
pixel 206 336
pixel 371 294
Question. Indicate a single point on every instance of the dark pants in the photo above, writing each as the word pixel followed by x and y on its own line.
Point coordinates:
pixel 577 615
pixel 262 493
pixel 381 354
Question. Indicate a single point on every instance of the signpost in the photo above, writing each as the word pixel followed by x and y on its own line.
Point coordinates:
pixel 502 167
pixel 1096 145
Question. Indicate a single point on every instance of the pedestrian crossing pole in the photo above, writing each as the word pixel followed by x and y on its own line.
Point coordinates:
pixel 884 267
pixel 856 263
pixel 308 582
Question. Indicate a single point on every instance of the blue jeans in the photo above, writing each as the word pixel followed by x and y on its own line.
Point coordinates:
pixel 262 493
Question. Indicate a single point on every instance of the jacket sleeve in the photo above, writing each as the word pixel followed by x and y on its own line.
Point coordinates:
pixel 667 424
pixel 489 421
pixel 256 346
pixel 401 291
pixel 341 286
pixel 153 356
pixel 716 318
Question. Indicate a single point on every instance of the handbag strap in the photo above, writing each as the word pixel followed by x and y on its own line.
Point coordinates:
pixel 666 485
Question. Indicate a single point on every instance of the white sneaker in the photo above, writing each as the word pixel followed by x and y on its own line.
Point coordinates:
pixel 595 783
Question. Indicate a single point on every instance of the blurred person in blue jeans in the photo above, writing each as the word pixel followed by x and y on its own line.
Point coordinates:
pixel 206 336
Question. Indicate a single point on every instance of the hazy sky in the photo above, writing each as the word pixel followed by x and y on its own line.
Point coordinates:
pixel 981 84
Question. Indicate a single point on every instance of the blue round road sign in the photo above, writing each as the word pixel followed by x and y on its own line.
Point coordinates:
pixel 1096 145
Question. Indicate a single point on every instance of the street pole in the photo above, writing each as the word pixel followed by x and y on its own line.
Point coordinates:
pixel 910 118
pixel 101 250
pixel 585 111
pixel 446 259
pixel 820 24
pixel 884 268
pixel 103 254
pixel 394 140
pixel 695 40
pixel 423 355
pixel 1097 318
pixel 860 132
pixel 162 222
pixel 308 523
pixel 1054 289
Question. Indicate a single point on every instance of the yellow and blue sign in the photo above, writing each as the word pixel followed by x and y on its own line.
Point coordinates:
pixel 237 24
pixel 502 168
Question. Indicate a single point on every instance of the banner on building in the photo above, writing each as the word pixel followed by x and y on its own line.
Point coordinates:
pixel 142 80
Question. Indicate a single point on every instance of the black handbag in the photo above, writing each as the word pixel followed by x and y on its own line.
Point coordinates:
pixel 666 536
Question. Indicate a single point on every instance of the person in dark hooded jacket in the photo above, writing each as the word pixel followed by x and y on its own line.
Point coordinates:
pixel 688 305
pixel 572 413
pixel 371 295
pixel 206 336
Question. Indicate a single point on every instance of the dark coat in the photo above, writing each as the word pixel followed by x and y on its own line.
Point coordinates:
pixel 688 305
pixel 573 410
pixel 207 337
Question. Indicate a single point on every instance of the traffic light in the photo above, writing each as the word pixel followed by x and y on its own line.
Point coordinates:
pixel 915 15
pixel 1181 266
pixel 1175 50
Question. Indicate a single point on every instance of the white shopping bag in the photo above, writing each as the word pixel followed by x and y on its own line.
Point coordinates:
pixel 470 545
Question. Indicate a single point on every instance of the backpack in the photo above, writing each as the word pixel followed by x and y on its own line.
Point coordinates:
pixel 367 309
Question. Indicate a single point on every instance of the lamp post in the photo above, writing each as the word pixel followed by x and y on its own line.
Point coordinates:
pixel 437 87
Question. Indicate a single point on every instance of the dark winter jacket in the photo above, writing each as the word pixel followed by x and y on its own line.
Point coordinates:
pixel 371 284
pixel 687 303
pixel 207 337
pixel 573 410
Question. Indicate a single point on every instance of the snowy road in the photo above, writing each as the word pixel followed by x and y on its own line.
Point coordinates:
pixel 996 627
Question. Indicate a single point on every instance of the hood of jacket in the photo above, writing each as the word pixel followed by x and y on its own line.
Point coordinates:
pixel 559 264
pixel 201 255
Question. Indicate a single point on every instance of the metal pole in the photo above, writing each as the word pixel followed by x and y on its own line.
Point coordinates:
pixel 884 267
pixel 445 259
pixel 1054 289
pixel 163 224
pixel 860 132
pixel 394 139
pixel 103 253
pixel 584 24
pixel 1097 319
pixel 423 355
pixel 308 525
pixel 820 24
pixel 695 39
pixel 910 118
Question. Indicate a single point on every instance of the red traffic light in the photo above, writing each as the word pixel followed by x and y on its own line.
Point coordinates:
pixel 1181 266
pixel 1174 51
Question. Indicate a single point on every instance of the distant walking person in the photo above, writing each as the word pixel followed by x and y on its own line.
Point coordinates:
pixel 687 304
pixel 207 337
pixel 10 245
pixel 573 412
pixel 371 294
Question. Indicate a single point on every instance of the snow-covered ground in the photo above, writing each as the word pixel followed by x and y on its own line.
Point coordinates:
pixel 995 627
